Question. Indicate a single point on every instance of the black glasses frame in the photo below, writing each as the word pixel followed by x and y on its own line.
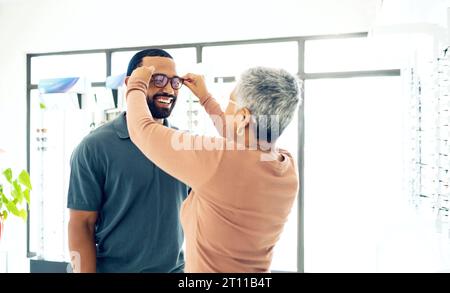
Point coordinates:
pixel 173 81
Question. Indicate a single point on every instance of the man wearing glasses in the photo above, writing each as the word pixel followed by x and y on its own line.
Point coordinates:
pixel 124 210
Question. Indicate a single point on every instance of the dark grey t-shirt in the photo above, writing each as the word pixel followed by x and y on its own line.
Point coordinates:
pixel 138 228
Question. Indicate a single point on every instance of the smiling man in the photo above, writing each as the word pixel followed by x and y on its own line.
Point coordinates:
pixel 162 94
pixel 124 210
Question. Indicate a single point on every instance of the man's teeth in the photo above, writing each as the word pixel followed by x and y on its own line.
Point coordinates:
pixel 165 100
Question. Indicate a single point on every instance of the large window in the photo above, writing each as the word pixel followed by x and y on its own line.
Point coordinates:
pixel 63 115
pixel 90 66
pixel 353 171
pixel 54 131
pixel 349 54
pixel 216 62
pixel 353 215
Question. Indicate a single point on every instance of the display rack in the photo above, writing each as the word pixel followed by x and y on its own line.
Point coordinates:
pixel 429 112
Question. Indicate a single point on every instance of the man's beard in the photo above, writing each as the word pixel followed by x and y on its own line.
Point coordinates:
pixel 159 112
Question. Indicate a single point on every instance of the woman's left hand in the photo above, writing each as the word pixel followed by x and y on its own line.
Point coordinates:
pixel 196 83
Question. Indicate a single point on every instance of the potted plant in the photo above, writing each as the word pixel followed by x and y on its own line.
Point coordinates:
pixel 14 192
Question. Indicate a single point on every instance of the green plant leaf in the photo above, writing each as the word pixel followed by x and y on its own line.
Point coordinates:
pixel 13 209
pixel 17 192
pixel 42 106
pixel 5 199
pixel 15 199
pixel 8 174
pixel 24 179
pixel 18 197
pixel 26 193
pixel 22 214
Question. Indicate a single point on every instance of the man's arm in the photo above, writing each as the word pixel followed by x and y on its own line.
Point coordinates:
pixel 82 240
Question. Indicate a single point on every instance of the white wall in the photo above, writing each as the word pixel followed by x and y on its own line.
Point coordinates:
pixel 33 26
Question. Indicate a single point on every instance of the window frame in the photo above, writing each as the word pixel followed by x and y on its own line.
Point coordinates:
pixel 199 58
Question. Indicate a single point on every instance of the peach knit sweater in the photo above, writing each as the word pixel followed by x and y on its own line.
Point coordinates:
pixel 238 205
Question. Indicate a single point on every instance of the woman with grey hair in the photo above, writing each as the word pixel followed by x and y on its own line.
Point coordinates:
pixel 243 188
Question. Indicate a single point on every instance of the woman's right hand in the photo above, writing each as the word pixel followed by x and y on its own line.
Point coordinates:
pixel 143 73
pixel 196 83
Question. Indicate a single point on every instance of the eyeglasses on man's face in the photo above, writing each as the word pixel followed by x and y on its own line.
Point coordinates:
pixel 160 80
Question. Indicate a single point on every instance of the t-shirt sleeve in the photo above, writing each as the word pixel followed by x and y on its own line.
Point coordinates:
pixel 86 180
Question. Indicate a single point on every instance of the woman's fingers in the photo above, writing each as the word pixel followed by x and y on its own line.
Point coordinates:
pixel 143 72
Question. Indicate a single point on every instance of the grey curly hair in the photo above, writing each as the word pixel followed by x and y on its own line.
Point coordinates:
pixel 272 96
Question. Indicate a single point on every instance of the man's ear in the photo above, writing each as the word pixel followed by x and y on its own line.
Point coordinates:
pixel 126 80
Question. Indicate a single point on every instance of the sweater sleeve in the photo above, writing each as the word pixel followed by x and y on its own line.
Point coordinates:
pixel 191 159
pixel 216 114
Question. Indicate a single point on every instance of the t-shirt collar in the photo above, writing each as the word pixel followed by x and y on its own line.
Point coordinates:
pixel 120 125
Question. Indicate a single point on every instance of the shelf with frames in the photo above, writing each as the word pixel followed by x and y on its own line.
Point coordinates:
pixel 430 134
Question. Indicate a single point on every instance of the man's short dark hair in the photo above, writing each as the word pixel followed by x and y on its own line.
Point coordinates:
pixel 137 58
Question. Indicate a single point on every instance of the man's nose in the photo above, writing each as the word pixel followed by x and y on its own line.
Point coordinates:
pixel 168 89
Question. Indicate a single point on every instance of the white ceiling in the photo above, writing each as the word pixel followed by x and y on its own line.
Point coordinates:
pixel 33 24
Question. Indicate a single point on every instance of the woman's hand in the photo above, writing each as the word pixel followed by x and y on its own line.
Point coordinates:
pixel 143 73
pixel 196 83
